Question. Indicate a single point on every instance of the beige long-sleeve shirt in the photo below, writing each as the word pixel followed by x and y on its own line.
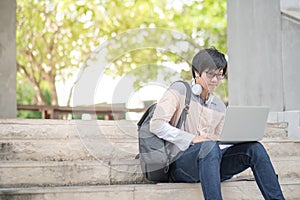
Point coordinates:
pixel 206 120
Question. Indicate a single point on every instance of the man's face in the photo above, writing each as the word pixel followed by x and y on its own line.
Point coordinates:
pixel 212 79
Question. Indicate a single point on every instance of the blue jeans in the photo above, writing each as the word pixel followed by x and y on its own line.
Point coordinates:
pixel 206 163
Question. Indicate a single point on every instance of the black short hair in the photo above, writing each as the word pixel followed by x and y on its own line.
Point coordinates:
pixel 210 59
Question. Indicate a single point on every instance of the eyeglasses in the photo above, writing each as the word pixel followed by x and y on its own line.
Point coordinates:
pixel 211 75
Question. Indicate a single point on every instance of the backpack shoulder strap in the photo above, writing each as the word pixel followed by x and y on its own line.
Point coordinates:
pixel 147 115
pixel 149 112
pixel 187 104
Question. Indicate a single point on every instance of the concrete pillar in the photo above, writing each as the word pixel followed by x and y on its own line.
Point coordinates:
pixel 263 51
pixel 290 58
pixel 254 52
pixel 8 108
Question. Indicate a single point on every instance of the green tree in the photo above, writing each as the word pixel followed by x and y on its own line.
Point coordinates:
pixel 54 37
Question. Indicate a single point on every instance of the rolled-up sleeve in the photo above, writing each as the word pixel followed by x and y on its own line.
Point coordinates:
pixel 159 124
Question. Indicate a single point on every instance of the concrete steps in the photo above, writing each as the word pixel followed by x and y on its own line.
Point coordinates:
pixel 285 167
pixel 58 140
pixel 231 191
pixel 103 149
pixel 52 173
pixel 70 173
pixel 53 159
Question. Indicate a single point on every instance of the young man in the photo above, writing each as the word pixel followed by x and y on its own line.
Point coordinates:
pixel 203 159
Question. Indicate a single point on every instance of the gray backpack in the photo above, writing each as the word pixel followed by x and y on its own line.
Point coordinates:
pixel 153 151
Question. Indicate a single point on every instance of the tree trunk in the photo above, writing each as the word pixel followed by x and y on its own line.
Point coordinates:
pixel 54 99
pixel 41 99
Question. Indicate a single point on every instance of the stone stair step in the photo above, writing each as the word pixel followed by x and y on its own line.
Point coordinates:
pixel 71 149
pixel 65 129
pixel 104 149
pixel 285 167
pixel 279 129
pixel 62 140
pixel 44 173
pixel 168 191
pixel 282 147
pixel 67 140
pixel 53 173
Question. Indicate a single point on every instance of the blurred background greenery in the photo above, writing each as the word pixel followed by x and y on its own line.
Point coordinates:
pixel 55 37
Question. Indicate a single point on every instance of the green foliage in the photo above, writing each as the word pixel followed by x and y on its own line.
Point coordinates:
pixel 54 38
pixel 25 91
pixel 26 96
pixel 25 114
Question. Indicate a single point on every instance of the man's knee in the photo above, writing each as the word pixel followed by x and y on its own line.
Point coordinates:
pixel 257 150
pixel 209 149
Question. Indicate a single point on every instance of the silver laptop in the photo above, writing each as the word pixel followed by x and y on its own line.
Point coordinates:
pixel 244 124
